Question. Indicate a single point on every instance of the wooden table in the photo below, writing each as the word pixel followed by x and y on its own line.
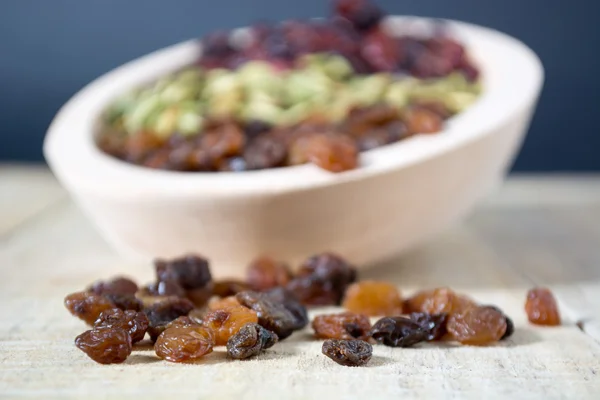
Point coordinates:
pixel 535 231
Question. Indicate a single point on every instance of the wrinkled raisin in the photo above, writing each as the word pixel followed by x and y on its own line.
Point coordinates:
pixel 226 322
pixel 333 152
pixel 161 313
pixel 190 271
pixel 87 306
pixel 345 325
pixel 272 315
pixel 322 280
pixel 363 14
pixel 105 345
pixel 135 323
pixel 119 285
pixel 510 327
pixel 249 341
pixel 266 151
pixel 422 120
pixel 164 288
pixel 477 326
pixel 351 353
pixel 541 307
pixel 200 296
pixel 435 324
pixel 373 298
pixel 218 304
pixel 399 332
pixel 228 288
pixel 438 301
pixel 363 120
pixel 184 343
pixel 266 273
pixel 293 305
pixel 125 301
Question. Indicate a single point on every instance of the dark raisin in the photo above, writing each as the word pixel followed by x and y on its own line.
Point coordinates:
pixel 164 311
pixel 229 287
pixel 398 332
pixel 363 120
pixel 351 353
pixel 541 307
pixel 125 301
pixel 345 325
pixel 165 288
pixel 119 285
pixel 135 323
pixel 105 345
pixel 200 296
pixel 435 324
pixel 87 306
pixel 266 151
pixel 266 273
pixel 254 128
pixel 180 343
pixel 190 271
pixel 510 326
pixel 291 302
pixel 272 315
pixel 249 341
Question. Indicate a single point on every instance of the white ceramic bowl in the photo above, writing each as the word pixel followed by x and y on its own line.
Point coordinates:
pixel 402 194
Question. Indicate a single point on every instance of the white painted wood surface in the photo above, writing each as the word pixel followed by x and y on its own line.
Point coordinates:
pixel 535 231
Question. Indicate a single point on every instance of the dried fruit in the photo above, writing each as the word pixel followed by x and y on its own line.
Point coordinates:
pixel 135 323
pixel 249 341
pixel 266 273
pixel 333 152
pixel 190 271
pixel 184 343
pixel 272 315
pixel 228 321
pixel 399 332
pixel 163 288
pixel 477 326
pixel 422 120
pixel 438 301
pixel 541 307
pixel 293 305
pixel 322 280
pixel 125 301
pixel 200 296
pixel 218 304
pixel 373 298
pixel 510 327
pixel 105 345
pixel 87 306
pixel 266 151
pixel 116 286
pixel 434 324
pixel 345 325
pixel 228 287
pixel 162 312
pixel 351 353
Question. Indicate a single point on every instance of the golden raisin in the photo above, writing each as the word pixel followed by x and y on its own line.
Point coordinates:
pixel 228 321
pixel 265 273
pixel 541 307
pixel 333 152
pixel 184 343
pixel 373 298
pixel 438 301
pixel 477 326
pixel 87 306
pixel 422 120
pixel 228 287
pixel 226 302
pixel 344 325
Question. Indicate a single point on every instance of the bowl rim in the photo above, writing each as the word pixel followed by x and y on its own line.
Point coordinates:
pixel 512 77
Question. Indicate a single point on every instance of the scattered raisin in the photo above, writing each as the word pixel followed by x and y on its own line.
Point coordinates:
pixel 351 353
pixel 164 288
pixel 228 288
pixel 344 325
pixel 109 345
pixel 184 343
pixel 218 304
pixel 135 323
pixel 266 273
pixel 322 280
pixel 272 315
pixel 125 301
pixel 266 151
pixel 333 152
pixel 190 271
pixel 200 296
pixel 119 285
pixel 510 326
pixel 249 341
pixel 373 298
pixel 399 332
pixel 363 120
pixel 161 313
pixel 434 324
pixel 438 301
pixel 477 326
pixel 227 322
pixel 422 120
pixel 290 301
pixel 87 306
pixel 541 307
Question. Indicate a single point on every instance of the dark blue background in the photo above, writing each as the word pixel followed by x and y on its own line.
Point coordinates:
pixel 51 48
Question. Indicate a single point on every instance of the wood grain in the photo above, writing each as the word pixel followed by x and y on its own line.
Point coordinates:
pixel 536 231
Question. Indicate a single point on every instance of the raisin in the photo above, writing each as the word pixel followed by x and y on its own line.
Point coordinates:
pixel 541 307
pixel 363 14
pixel 422 120
pixel 87 306
pixel 125 301
pixel 222 142
pixel 249 341
pixel 381 51
pixel 345 325
pixel 434 324
pixel 116 286
pixel 190 271
pixel 333 152
pixel 162 312
pixel 164 288
pixel 266 273
pixel 363 120
pixel 351 353
pixel 218 304
pixel 266 151
pixel 438 301
pixel 105 345
pixel 373 298
pixel 228 321
pixel 293 305
pixel 477 326
pixel 510 326
pixel 135 323
pixel 381 136
pixel 322 280
pixel 140 145
pixel 183 321
pixel 184 343
pixel 254 128
pixel 229 287
pixel 399 332
pixel 200 296
pixel 272 315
